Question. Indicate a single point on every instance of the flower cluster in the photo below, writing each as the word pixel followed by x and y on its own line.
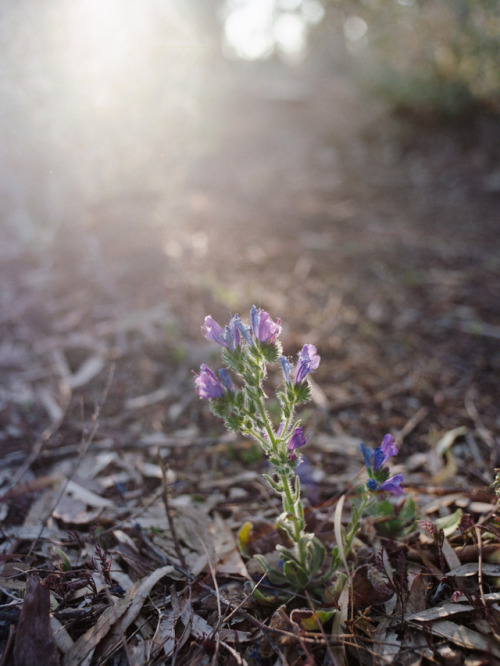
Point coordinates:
pixel 379 475
pixel 256 342
pixel 247 351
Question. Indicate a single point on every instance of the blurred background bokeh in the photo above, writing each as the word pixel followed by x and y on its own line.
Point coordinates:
pixel 110 103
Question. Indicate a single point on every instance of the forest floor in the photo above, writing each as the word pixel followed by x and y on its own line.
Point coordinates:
pixel 375 238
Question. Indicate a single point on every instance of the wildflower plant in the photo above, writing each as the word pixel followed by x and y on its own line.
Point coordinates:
pixel 247 352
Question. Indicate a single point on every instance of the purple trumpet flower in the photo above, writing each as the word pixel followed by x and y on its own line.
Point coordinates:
pixel 391 485
pixel 378 473
pixel 207 385
pixel 263 327
pixel 228 337
pixel 297 440
pixel 213 331
pixel 308 361
pixel 375 459
pixel 383 452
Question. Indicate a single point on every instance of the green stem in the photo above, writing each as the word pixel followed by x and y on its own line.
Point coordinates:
pixel 289 506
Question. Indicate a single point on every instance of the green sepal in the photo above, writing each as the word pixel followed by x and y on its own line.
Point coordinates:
pixel 271 351
pixel 303 392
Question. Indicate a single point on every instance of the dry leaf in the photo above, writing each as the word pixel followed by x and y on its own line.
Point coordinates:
pixel 33 636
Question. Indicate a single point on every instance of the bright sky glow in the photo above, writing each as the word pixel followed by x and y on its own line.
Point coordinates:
pixel 255 29
pixel 355 28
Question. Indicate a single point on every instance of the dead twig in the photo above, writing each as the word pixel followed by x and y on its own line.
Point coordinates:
pixel 171 522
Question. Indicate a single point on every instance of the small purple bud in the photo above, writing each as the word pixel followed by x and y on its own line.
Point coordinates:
pixel 378 459
pixel 367 454
pixel 226 379
pixel 371 484
pixel 287 368
pixel 308 361
pixel 213 331
pixel 232 335
pixel 383 452
pixel 243 329
pixel 297 440
pixel 207 385
pixel 389 447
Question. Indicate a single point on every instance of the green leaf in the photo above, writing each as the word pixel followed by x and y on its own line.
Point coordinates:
pixel 65 564
pixel 295 574
pixel 449 524
pixel 317 554
pixel 311 620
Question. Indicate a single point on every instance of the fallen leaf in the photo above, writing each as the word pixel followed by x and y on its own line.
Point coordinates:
pixel 33 636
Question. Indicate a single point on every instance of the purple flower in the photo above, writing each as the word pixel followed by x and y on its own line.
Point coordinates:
pixel 207 385
pixel 379 475
pixel 228 337
pixel 388 447
pixel 297 440
pixel 264 328
pixel 213 331
pixel 287 368
pixel 308 361
pixel 375 459
pixel 393 485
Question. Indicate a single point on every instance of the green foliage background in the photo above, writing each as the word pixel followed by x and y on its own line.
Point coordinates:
pixel 434 56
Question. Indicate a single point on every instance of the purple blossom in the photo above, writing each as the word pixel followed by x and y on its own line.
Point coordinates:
pixel 228 337
pixel 297 440
pixel 393 485
pixel 388 447
pixel 264 328
pixel 287 368
pixel 213 331
pixel 207 385
pixel 375 459
pixel 308 361
pixel 379 474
